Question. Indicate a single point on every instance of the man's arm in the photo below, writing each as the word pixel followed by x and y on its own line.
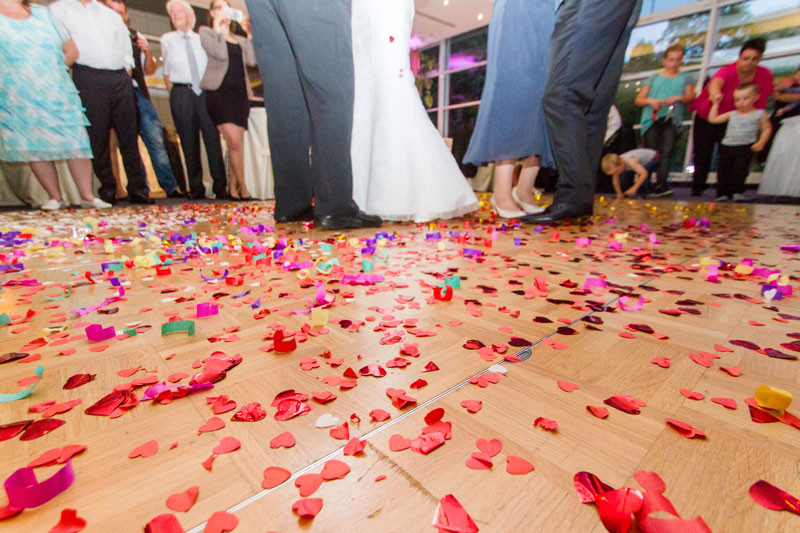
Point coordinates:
pixel 149 64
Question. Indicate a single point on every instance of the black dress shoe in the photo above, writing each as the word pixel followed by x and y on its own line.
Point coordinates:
pixel 560 213
pixel 110 199
pixel 140 200
pixel 301 216
pixel 350 221
pixel 176 194
pixel 197 195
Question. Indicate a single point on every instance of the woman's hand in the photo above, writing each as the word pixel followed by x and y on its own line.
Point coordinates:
pixel 220 24
pixel 248 29
pixel 655 104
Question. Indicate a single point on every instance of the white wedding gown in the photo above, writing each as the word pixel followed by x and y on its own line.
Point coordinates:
pixel 402 170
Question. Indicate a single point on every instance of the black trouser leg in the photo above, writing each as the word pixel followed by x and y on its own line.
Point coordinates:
pixel 741 159
pixel 586 57
pixel 726 170
pixel 216 165
pixel 124 120
pixel 661 137
pixel 185 119
pixel 97 102
pixel 706 136
pixel 288 124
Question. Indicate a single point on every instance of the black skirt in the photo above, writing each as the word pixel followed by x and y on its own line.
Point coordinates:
pixel 229 103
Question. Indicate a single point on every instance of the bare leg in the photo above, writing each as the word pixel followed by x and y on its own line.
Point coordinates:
pixel 45 172
pixel 527 179
pixel 234 139
pixel 81 170
pixel 503 180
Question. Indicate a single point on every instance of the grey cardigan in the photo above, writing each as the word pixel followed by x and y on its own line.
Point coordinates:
pixel 217 52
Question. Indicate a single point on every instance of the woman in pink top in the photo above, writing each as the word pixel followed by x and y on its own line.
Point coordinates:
pixel 706 135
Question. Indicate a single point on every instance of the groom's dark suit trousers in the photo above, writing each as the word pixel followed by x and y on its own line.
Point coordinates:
pixel 586 58
pixel 305 58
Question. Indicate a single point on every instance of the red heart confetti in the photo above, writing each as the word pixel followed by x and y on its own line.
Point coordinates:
pixel 274 476
pixel 518 466
pixel 183 501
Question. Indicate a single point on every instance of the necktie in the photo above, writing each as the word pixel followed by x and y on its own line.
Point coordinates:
pixel 193 70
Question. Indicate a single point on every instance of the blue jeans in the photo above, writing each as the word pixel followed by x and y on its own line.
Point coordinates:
pixel 153 137
pixel 627 178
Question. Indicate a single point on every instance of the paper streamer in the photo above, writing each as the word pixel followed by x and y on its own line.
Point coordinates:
pixel 635 307
pixel 25 491
pixel 453 281
pixel 220 278
pixel 4 319
pixel 361 279
pixel 177 327
pixel 594 282
pixel 206 309
pixel 65 295
pixel 97 333
pixel 4 398
pixel 713 273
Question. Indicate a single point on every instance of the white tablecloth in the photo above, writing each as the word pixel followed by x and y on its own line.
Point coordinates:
pixel 257 158
pixel 18 185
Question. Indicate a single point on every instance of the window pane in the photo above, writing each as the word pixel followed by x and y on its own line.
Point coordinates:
pixel 466 86
pixel 429 61
pixel 649 42
pixel 626 94
pixel 432 116
pixel 651 6
pixel 460 124
pixel 428 89
pixel 774 20
pixel 468 49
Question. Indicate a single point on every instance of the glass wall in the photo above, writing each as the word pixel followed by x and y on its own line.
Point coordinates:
pixel 453 71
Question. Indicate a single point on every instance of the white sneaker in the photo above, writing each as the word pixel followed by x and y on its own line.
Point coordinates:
pixel 506 213
pixel 529 208
pixel 52 205
pixel 97 203
pixel 723 198
pixel 739 197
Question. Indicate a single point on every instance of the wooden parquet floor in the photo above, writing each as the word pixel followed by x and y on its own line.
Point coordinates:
pixel 519 286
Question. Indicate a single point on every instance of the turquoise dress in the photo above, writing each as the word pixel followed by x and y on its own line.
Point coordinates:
pixel 41 116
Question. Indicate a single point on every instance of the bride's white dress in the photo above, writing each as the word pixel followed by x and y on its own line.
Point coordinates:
pixel 402 170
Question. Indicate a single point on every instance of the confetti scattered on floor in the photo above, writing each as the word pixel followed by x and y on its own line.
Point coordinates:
pixel 196 368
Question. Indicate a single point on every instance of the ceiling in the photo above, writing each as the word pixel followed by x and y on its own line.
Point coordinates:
pixel 434 20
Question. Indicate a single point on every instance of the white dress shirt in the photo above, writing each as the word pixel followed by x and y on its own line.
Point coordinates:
pixel 102 38
pixel 176 62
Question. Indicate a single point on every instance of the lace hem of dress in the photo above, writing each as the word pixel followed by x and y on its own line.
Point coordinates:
pixel 25 156
pixel 427 217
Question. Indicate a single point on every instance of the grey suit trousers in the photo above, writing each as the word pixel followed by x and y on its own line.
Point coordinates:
pixel 586 58
pixel 304 53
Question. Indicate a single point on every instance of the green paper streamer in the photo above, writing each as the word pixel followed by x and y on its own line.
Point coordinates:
pixel 68 293
pixel 131 332
pixel 366 265
pixel 177 327
pixel 454 281
pixel 258 258
pixel 4 319
pixel 4 398
pixel 115 266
